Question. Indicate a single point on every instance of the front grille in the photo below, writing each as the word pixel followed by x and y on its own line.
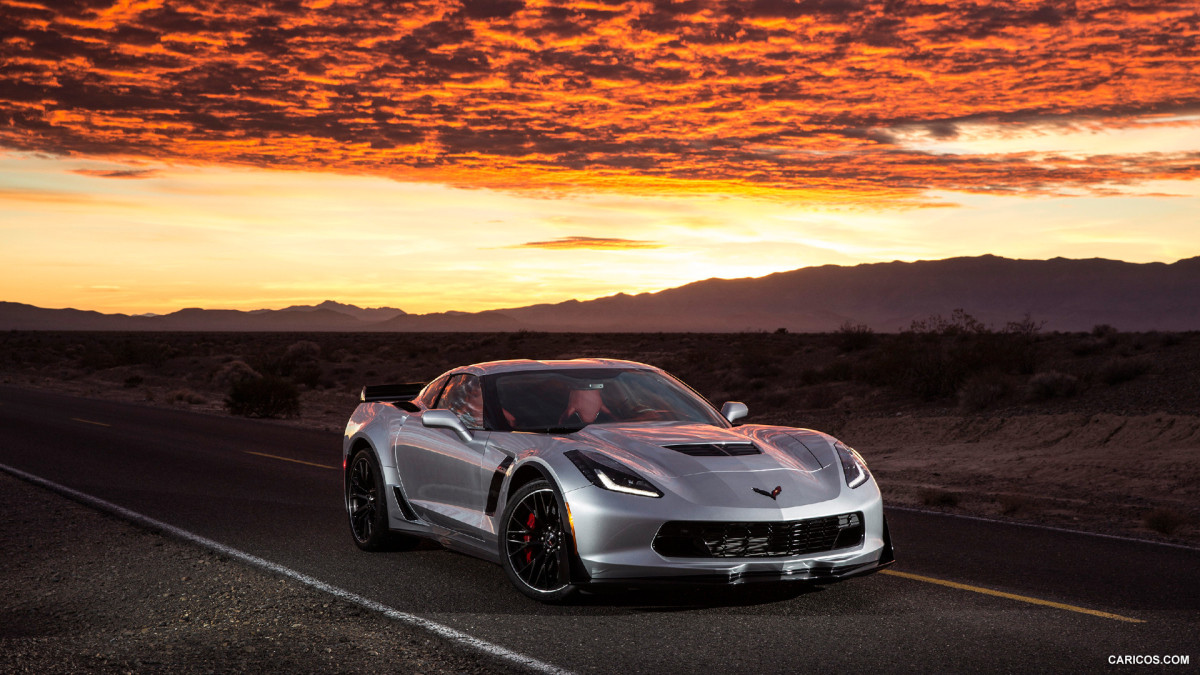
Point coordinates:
pixel 683 539
pixel 715 449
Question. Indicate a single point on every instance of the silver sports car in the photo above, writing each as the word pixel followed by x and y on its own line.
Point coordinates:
pixel 573 474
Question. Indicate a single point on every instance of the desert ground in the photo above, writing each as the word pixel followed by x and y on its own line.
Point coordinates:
pixel 1098 431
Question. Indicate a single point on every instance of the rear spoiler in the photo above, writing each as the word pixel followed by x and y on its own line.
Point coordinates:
pixel 392 392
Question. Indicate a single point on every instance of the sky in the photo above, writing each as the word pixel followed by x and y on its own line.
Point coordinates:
pixel 473 155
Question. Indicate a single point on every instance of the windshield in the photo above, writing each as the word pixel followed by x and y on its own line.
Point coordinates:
pixel 570 399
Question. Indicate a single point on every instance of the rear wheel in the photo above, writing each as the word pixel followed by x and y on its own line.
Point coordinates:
pixel 366 506
pixel 535 544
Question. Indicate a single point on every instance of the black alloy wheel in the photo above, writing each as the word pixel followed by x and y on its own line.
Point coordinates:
pixel 365 502
pixel 536 546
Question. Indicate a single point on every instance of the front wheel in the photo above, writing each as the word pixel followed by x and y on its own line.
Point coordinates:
pixel 535 543
pixel 366 506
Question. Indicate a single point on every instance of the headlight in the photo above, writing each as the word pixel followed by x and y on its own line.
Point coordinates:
pixel 852 465
pixel 608 474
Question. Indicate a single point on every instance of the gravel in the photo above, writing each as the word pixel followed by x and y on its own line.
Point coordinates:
pixel 85 591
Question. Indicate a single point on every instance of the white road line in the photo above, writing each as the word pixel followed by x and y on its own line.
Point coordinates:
pixel 1051 528
pixel 441 630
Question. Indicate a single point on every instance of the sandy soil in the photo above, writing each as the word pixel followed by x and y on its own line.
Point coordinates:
pixel 1104 473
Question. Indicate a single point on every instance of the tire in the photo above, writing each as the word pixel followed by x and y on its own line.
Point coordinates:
pixel 535 543
pixel 366 506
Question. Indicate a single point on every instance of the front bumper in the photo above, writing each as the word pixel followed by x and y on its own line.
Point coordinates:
pixel 614 536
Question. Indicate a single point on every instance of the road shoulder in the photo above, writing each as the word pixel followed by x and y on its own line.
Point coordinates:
pixel 83 590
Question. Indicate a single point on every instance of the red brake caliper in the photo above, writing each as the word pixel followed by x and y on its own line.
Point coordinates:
pixel 529 523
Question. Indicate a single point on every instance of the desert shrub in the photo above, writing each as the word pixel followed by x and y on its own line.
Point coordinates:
pixel 1170 339
pixel 133 381
pixel 1103 330
pixel 937 355
pixel 1165 521
pixel 938 497
pixel 185 396
pixel 982 392
pixel 1117 371
pixel 266 396
pixel 233 371
pixel 959 323
pixel 308 374
pixel 853 337
pixel 1052 384
pixel 304 350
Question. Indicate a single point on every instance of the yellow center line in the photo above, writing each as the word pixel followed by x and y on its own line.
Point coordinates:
pixel 1011 596
pixel 99 424
pixel 289 459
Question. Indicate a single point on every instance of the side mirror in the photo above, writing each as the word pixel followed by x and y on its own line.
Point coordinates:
pixel 444 419
pixel 734 411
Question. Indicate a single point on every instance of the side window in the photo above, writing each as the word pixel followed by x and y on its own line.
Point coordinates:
pixel 464 397
pixel 429 396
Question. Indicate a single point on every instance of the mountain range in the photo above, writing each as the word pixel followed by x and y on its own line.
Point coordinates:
pixel 1063 294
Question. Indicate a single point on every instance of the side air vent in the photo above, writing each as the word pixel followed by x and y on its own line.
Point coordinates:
pixel 715 449
pixel 406 509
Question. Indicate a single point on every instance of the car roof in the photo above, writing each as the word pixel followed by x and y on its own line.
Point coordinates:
pixel 519 365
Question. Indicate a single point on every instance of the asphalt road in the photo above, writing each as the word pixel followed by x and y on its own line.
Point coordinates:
pixel 202 473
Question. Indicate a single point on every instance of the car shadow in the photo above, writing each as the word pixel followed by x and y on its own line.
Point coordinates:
pixel 687 598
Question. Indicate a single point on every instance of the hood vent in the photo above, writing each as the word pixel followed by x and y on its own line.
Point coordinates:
pixel 715 449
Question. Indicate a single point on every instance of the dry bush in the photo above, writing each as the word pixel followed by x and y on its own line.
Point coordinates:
pixel 1165 521
pixel 1052 384
pixel 982 392
pixel 267 396
pixel 185 396
pixel 938 355
pixel 854 336
pixel 304 350
pixel 233 371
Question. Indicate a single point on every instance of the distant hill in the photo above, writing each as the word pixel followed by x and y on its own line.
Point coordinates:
pixel 1069 295
pixel 1066 294
pixel 361 313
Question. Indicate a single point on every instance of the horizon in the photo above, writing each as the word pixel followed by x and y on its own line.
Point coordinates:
pixel 473 156
pixel 354 305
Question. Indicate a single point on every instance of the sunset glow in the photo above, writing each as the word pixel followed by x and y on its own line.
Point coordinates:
pixel 495 153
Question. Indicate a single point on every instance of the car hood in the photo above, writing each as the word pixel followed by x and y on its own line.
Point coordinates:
pixel 792 467
pixel 677 450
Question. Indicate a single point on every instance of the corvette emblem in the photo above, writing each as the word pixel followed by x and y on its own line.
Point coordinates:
pixel 772 494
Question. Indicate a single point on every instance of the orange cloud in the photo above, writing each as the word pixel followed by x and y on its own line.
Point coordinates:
pixel 118 173
pixel 605 243
pixel 769 97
